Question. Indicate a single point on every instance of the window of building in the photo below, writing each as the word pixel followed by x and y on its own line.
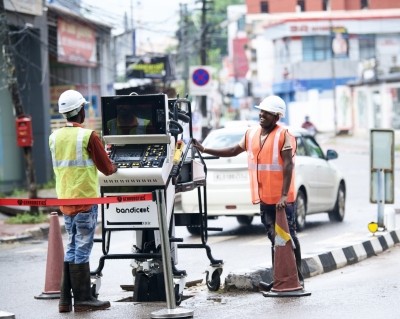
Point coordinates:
pixel 300 6
pixel 326 5
pixel 316 48
pixel 366 45
pixel 364 4
pixel 241 23
pixel 264 7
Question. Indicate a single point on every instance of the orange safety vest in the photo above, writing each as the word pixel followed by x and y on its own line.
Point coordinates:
pixel 265 165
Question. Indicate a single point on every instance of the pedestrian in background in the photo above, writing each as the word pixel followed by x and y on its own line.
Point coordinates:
pixel 309 126
pixel 270 150
pixel 77 153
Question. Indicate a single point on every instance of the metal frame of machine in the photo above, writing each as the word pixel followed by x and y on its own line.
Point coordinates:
pixel 150 163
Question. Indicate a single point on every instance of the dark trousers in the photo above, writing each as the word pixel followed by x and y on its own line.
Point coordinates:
pixel 268 217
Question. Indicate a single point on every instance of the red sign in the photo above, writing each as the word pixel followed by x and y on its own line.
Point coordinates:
pixel 240 63
pixel 76 43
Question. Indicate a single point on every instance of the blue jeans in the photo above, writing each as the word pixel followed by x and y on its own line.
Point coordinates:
pixel 268 217
pixel 80 229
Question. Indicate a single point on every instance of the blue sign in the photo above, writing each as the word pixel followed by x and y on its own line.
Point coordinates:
pixel 200 77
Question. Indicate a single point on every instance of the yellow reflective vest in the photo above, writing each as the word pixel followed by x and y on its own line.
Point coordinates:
pixel 76 174
pixel 265 165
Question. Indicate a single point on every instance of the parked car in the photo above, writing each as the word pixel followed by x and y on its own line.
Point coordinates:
pixel 321 187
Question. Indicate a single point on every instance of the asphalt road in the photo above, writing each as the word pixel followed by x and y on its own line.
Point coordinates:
pixel 367 290
pixel 359 291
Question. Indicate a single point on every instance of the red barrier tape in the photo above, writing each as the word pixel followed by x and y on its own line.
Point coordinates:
pixel 75 201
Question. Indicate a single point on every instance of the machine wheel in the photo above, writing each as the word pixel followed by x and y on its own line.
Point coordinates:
pixel 301 210
pixel 337 214
pixel 244 220
pixel 194 230
pixel 215 282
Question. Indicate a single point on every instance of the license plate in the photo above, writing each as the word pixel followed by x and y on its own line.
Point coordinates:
pixel 231 176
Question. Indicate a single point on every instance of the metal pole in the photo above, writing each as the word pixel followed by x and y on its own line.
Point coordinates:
pixel 381 197
pixel 172 311
pixel 203 61
pixel 165 249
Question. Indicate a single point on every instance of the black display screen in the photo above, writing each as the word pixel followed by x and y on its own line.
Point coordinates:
pixel 134 114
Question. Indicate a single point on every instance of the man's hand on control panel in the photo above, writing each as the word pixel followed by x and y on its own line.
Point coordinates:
pixel 115 168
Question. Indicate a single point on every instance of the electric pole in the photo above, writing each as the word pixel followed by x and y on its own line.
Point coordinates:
pixel 183 30
pixel 203 61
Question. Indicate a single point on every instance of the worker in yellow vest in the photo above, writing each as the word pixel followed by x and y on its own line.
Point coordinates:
pixel 271 151
pixel 77 153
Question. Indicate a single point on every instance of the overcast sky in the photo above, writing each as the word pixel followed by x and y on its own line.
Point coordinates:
pixel 151 18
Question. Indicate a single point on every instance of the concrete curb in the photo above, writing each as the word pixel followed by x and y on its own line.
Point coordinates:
pixel 6 315
pixel 30 234
pixel 319 264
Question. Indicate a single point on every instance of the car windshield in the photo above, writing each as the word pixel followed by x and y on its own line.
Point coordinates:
pixel 219 139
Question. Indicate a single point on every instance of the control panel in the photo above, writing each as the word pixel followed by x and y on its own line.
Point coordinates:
pixel 138 155
pixel 138 164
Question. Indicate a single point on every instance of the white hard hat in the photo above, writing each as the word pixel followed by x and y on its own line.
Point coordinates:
pixel 70 103
pixel 273 104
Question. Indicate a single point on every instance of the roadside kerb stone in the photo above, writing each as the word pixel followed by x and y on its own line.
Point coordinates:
pixel 318 264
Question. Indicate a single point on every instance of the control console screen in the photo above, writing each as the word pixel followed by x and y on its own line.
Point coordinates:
pixel 134 114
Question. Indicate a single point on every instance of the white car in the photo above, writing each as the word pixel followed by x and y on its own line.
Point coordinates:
pixel 320 186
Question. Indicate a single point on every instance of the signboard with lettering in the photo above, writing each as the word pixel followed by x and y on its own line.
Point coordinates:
pixel 76 43
pixel 340 42
pixel 149 67
pixel 132 215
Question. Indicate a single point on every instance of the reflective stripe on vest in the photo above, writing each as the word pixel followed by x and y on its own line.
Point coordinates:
pixel 79 161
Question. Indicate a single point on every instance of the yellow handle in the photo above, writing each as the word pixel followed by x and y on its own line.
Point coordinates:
pixel 178 152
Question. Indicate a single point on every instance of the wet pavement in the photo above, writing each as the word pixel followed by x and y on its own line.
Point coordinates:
pixel 211 304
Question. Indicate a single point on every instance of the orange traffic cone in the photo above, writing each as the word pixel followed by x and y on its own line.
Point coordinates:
pixel 55 260
pixel 286 280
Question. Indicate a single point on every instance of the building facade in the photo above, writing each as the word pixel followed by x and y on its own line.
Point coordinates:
pixel 309 51
pixel 54 48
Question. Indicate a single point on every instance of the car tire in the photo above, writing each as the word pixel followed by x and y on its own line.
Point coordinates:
pixel 338 212
pixel 301 211
pixel 244 220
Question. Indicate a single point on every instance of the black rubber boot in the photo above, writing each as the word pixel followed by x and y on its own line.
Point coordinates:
pixel 264 286
pixel 80 282
pixel 65 303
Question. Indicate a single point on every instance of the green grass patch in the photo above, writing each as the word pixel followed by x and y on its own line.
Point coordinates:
pixel 18 192
pixel 48 185
pixel 28 218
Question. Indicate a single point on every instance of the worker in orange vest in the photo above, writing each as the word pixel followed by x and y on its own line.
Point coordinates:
pixel 271 151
